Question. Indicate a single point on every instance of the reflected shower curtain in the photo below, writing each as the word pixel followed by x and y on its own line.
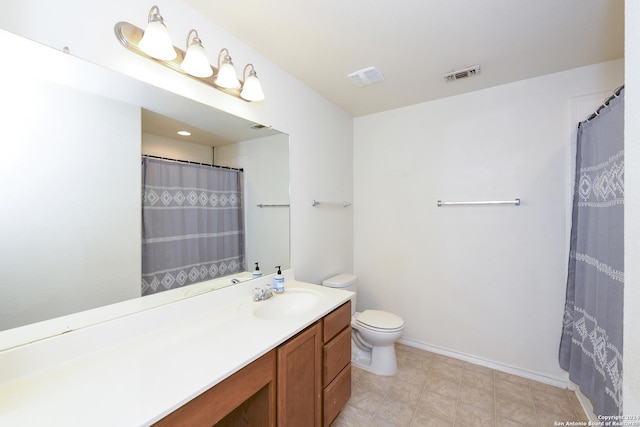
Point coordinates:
pixel 591 343
pixel 192 223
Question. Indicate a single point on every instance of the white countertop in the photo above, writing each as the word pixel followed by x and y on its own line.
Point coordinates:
pixel 136 369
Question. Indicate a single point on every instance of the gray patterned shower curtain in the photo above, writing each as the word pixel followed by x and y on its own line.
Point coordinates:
pixel 591 343
pixel 192 223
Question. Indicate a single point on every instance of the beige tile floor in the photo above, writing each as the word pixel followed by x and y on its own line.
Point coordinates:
pixel 434 390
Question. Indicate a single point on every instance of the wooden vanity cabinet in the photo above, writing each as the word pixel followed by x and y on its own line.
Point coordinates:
pixel 245 399
pixel 336 372
pixel 304 382
pixel 299 379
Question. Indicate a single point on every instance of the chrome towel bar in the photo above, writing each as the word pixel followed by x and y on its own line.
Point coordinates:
pixel 262 205
pixel 483 202
pixel 344 204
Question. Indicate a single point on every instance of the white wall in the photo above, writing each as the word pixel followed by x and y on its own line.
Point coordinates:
pixel 485 282
pixel 266 181
pixel 631 372
pixel 68 207
pixel 320 133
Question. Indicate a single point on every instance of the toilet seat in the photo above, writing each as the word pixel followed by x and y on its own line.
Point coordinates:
pixel 380 321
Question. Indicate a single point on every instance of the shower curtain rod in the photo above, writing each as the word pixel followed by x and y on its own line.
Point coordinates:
pixel 192 163
pixel 605 104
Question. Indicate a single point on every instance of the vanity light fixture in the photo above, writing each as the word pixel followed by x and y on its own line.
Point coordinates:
pixel 184 133
pixel 226 77
pixel 156 41
pixel 251 90
pixel 193 62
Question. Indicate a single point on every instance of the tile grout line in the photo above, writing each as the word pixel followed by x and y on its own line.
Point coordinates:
pixel 422 392
pixel 533 400
pixel 384 397
pixel 455 411
pixel 495 400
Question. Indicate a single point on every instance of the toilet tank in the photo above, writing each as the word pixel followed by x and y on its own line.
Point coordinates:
pixel 346 281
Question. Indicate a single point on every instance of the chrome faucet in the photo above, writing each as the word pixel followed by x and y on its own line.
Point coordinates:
pixel 262 293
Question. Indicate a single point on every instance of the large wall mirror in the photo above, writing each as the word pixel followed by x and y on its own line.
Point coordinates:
pixel 70 182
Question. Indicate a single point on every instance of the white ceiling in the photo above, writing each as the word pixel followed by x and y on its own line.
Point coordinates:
pixel 414 42
pixel 207 126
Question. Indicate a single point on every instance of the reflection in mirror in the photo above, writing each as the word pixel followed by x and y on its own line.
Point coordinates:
pixel 264 162
pixel 70 179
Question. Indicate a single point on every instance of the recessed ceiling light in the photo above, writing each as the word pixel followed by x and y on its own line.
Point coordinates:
pixel 184 133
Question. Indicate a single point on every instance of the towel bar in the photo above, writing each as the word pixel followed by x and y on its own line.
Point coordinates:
pixel 344 204
pixel 483 202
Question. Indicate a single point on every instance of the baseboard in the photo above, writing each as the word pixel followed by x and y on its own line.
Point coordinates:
pixel 535 376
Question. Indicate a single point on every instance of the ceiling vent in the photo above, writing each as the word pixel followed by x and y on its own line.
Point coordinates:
pixel 366 77
pixel 258 126
pixel 461 74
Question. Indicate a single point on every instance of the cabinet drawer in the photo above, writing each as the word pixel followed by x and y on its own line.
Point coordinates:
pixel 335 321
pixel 336 395
pixel 337 354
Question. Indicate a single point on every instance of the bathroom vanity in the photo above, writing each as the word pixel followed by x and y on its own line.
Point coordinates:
pixel 216 358
pixel 304 382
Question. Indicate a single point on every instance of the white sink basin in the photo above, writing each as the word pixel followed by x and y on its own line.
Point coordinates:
pixel 292 303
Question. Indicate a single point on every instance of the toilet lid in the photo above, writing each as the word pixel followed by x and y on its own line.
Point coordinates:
pixel 380 319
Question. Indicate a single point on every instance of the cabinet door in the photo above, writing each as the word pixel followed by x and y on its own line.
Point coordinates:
pixel 299 379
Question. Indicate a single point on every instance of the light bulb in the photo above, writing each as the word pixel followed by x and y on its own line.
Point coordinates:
pixel 226 77
pixel 156 41
pixel 252 89
pixel 195 60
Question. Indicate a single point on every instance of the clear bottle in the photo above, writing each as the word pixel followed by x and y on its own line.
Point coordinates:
pixel 256 272
pixel 278 281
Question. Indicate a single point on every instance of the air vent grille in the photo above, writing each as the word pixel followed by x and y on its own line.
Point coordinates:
pixel 462 74
pixel 258 126
pixel 366 77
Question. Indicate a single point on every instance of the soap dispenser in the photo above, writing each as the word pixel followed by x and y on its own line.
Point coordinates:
pixel 256 272
pixel 278 281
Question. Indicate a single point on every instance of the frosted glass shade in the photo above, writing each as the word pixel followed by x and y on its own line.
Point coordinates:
pixel 227 77
pixel 196 62
pixel 156 42
pixel 252 89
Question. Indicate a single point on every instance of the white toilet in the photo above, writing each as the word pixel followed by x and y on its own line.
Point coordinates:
pixel 373 334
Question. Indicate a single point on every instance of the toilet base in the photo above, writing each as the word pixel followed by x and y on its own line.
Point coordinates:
pixel 381 360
